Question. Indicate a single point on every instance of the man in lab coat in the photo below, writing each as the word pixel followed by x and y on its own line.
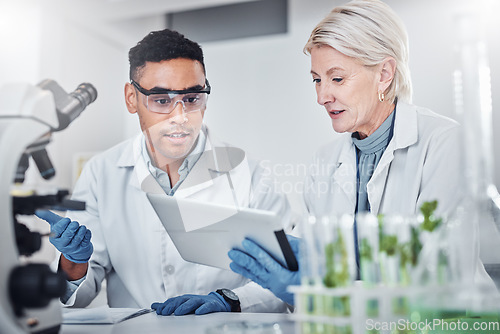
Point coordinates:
pixel 129 246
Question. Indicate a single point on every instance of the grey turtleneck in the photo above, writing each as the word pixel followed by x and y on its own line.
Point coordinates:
pixel 369 151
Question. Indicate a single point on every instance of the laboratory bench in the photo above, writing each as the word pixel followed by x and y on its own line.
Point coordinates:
pixel 220 323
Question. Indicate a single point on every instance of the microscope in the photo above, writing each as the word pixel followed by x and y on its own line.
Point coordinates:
pixel 29 292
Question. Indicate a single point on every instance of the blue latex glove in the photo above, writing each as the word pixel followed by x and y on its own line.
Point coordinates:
pixel 256 264
pixel 197 304
pixel 69 237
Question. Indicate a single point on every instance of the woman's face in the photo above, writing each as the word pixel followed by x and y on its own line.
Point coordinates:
pixel 348 90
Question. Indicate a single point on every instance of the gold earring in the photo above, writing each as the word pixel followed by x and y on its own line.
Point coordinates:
pixel 381 97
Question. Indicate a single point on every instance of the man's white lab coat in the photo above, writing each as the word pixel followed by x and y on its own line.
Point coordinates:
pixel 133 250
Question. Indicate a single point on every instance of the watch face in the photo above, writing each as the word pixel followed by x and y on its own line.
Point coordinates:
pixel 229 294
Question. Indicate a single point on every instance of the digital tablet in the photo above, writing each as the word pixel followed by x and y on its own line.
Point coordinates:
pixel 205 232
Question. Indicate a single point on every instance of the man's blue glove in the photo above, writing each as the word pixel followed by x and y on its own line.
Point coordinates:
pixel 197 304
pixel 69 237
pixel 256 264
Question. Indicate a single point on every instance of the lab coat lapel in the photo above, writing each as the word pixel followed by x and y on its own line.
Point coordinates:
pixel 405 134
pixel 376 186
pixel 140 178
pixel 345 173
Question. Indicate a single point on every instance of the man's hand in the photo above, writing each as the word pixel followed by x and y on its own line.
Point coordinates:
pixel 197 304
pixel 69 237
pixel 256 264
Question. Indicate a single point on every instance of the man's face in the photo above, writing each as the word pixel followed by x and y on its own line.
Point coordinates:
pixel 170 137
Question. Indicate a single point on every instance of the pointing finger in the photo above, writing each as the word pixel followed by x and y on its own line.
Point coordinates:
pixel 48 216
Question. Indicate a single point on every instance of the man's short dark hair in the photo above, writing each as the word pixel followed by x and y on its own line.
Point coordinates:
pixel 162 45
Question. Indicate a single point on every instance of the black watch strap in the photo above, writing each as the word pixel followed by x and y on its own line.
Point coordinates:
pixel 231 298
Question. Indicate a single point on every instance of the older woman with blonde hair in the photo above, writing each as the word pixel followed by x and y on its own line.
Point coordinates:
pixel 392 156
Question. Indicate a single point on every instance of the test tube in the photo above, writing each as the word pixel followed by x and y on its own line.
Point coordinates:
pixel 389 256
pixel 368 243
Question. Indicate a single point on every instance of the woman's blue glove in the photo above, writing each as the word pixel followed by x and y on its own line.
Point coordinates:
pixel 69 237
pixel 197 304
pixel 256 264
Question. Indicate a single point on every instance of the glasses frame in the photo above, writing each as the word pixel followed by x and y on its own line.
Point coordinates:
pixel 158 91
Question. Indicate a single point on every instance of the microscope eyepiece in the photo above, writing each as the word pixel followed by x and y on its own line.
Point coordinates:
pixel 85 93
pixel 69 106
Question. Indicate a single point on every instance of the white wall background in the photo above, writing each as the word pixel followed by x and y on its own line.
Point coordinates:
pixel 263 98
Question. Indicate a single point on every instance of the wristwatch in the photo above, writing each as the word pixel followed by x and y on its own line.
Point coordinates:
pixel 231 298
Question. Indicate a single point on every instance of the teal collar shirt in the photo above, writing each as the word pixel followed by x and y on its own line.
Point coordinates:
pixel 162 177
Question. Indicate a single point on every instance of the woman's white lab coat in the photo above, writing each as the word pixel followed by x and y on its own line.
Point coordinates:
pixel 422 162
pixel 133 250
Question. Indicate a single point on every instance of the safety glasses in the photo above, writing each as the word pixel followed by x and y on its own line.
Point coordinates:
pixel 164 101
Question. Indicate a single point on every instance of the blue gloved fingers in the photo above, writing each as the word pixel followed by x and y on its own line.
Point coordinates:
pixel 58 228
pixel 189 306
pixel 69 237
pixel 68 234
pixel 258 265
pixel 206 308
pixel 158 307
pixel 155 306
pixel 80 248
pixel 265 260
pixel 167 308
pixel 294 244
pixel 241 258
pixel 48 216
pixel 86 238
pixel 171 304
pixel 79 235
pixel 244 272
pixel 249 264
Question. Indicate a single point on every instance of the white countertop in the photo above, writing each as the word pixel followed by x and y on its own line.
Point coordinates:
pixel 192 324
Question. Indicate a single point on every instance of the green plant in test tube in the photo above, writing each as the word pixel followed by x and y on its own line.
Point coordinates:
pixel 368 248
pixel 389 244
pixel 430 222
pixel 365 250
pixel 368 259
pixel 405 255
pixel 441 306
pixel 416 245
pixel 337 275
pixel 387 251
pixel 310 301
pixel 395 257
pixel 409 252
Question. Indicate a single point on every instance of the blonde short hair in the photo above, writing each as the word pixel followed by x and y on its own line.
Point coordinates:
pixel 369 31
